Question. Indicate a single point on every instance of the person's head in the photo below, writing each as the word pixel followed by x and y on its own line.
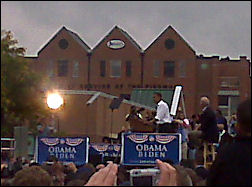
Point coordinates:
pixel 202 172
pixel 71 167
pixel 57 170
pixel 183 179
pixel 233 117
pixel 19 159
pixel 132 109
pixel 204 101
pixel 243 126
pixel 220 126
pixel 194 117
pixel 193 175
pixel 218 113
pixel 181 115
pixel 157 97
pixel 4 171
pixel 85 172
pixel 188 163
pixel 105 140
pixel 32 176
pixel 53 158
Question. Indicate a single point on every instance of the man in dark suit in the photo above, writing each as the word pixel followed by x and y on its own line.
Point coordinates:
pixel 232 165
pixel 208 122
pixel 208 130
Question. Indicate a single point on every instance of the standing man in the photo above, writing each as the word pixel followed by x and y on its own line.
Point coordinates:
pixel 163 119
pixel 208 122
pixel 232 166
pixel 208 129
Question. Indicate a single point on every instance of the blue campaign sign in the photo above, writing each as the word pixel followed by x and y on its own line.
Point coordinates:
pixel 66 149
pixel 109 150
pixel 145 148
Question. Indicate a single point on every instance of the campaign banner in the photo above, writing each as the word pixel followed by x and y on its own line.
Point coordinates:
pixel 66 149
pixel 106 150
pixel 145 148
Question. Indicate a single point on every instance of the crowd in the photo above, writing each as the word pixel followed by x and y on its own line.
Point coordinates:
pixel 232 165
pixel 55 173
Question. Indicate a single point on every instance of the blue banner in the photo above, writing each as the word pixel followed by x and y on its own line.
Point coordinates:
pixel 145 148
pixel 109 150
pixel 66 149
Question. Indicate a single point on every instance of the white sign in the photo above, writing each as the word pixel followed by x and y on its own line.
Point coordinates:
pixel 175 100
pixel 115 44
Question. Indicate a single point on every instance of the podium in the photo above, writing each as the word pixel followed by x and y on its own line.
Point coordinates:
pixel 138 125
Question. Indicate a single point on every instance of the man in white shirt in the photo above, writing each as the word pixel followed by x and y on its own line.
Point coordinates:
pixel 163 118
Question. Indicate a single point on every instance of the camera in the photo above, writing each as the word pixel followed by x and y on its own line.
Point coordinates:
pixel 144 177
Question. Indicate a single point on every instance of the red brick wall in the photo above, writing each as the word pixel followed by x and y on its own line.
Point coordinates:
pixel 102 52
pixel 197 82
pixel 72 53
pixel 209 82
pixel 181 52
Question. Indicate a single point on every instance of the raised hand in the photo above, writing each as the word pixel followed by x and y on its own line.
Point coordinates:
pixel 168 174
pixel 104 177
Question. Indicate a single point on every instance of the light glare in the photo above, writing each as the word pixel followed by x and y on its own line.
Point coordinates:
pixel 54 101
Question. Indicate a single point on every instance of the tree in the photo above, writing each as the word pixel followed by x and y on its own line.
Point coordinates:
pixel 21 98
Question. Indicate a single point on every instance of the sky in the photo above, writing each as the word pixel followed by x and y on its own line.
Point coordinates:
pixel 210 27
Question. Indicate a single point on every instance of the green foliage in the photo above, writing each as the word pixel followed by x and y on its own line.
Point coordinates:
pixel 21 98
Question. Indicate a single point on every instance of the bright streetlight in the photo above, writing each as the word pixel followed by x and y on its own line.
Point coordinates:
pixel 54 101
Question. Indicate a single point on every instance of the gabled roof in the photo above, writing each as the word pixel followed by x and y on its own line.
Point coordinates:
pixel 167 30
pixel 79 40
pixel 71 33
pixel 124 33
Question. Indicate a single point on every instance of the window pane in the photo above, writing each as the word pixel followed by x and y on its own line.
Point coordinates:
pixel 204 66
pixel 156 68
pixel 169 68
pixel 128 68
pixel 115 68
pixel 102 68
pixel 50 69
pixel 223 100
pixel 230 82
pixel 76 69
pixel 62 68
pixel 182 69
pixel 234 104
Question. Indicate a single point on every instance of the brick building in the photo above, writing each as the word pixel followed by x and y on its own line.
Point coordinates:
pixel 117 65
